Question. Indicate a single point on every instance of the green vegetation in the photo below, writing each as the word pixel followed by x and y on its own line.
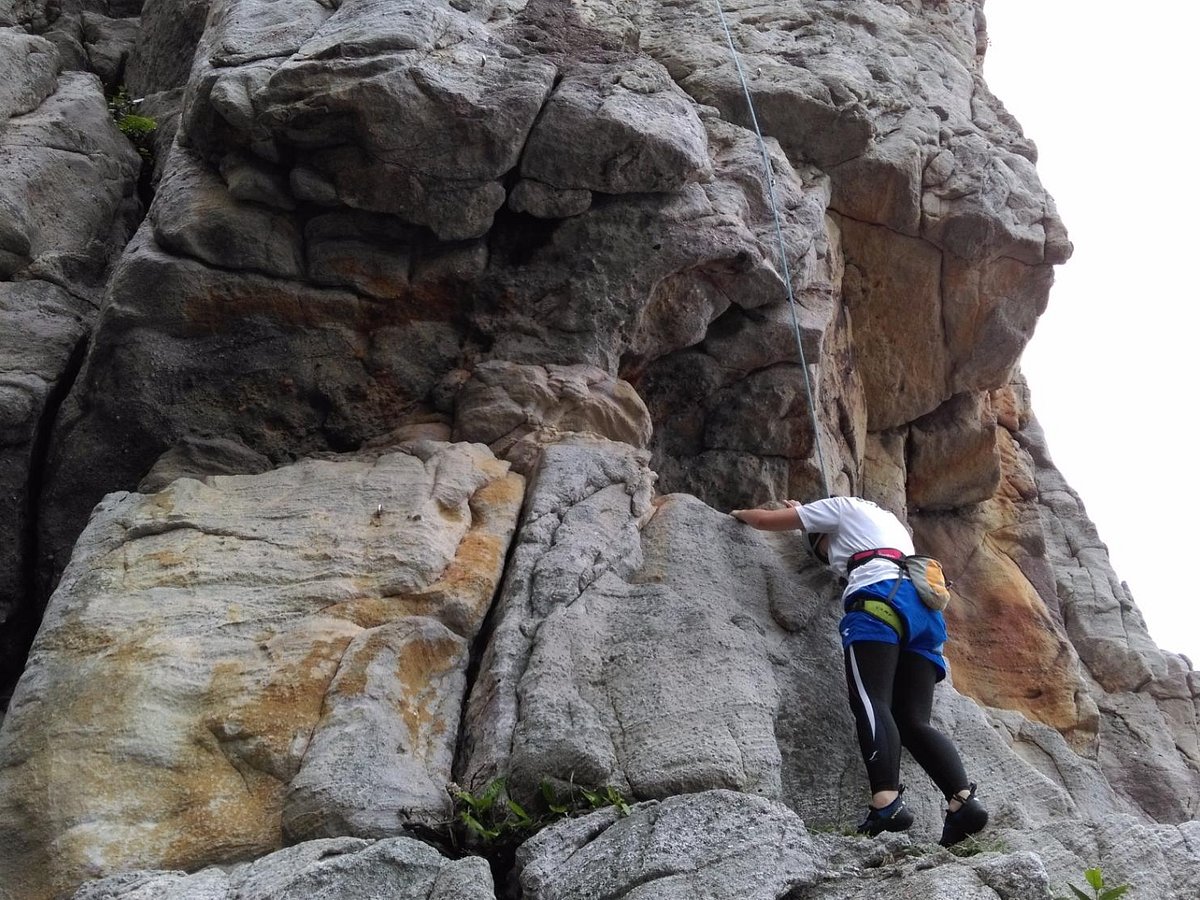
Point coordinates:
pixel 1100 891
pixel 138 129
pixel 492 817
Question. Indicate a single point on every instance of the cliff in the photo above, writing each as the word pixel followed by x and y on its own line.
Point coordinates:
pixel 369 438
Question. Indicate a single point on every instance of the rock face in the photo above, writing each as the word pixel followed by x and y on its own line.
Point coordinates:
pixel 390 452
pixel 400 868
pixel 59 152
pixel 282 655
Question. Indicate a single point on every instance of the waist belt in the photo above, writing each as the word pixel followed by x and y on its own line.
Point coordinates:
pixel 880 609
pixel 865 556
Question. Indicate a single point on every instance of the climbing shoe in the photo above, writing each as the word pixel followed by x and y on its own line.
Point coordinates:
pixel 964 821
pixel 893 817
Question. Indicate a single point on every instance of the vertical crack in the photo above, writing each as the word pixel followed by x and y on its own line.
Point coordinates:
pixel 22 624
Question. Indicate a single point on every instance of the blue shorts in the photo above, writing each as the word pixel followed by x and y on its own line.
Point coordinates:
pixel 924 628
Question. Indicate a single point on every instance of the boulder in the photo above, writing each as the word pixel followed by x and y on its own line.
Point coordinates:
pixel 399 868
pixel 615 129
pixel 714 844
pixel 64 149
pixel 28 72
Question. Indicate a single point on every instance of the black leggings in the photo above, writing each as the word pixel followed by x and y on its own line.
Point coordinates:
pixel 891 695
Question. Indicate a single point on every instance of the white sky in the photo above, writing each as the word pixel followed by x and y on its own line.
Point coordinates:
pixel 1108 94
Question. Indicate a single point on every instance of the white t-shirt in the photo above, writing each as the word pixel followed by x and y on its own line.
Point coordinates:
pixel 854 525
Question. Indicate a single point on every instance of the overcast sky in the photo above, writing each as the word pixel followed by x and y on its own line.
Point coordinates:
pixel 1109 99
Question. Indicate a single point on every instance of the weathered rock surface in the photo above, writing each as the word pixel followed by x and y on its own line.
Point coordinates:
pixel 108 43
pixel 233 659
pixel 715 844
pixel 543 227
pixel 66 206
pixel 42 329
pixel 28 72
pixel 380 306
pixel 57 148
pixel 1149 700
pixel 514 408
pixel 162 58
pixel 398 868
pixel 661 648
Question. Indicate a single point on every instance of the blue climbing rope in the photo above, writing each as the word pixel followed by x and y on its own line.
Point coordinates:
pixel 768 174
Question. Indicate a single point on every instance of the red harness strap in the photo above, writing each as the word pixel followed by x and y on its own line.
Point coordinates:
pixel 865 556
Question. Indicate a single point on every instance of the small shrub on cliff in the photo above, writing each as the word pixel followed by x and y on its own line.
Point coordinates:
pixel 138 129
pixel 1100 891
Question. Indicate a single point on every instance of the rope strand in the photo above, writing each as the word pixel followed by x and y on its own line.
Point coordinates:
pixel 768 174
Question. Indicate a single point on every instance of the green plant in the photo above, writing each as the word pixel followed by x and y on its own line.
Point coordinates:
pixel 491 814
pixel 1100 891
pixel 138 129
pixel 493 817
pixel 606 796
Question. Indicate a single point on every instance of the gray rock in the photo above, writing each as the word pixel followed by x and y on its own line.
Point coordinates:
pixel 67 148
pixel 1158 862
pixel 162 57
pixel 715 844
pixel 163 107
pixel 207 884
pixel 953 457
pixel 186 338
pixel 399 868
pixel 502 404
pixel 244 31
pixel 197 458
pixel 370 253
pixel 252 179
pixel 195 215
pixel 620 128
pixel 28 72
pixel 856 869
pixel 380 756
pixel 400 82
pixel 108 43
pixel 547 202
pixel 581 519
pixel 59 151
pixel 1148 698
pixel 42 330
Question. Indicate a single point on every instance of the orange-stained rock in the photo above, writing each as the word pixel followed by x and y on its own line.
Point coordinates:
pixel 892 288
pixel 1006 647
pixel 181 682
pixel 953 459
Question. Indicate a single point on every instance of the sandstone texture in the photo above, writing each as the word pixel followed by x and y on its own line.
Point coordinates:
pixel 366 448
pixel 252 658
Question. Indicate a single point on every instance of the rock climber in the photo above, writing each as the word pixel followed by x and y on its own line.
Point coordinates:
pixel 892 644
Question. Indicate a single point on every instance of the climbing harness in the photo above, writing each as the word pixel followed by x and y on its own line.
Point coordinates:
pixel 880 609
pixel 865 556
pixel 787 277
pixel 924 572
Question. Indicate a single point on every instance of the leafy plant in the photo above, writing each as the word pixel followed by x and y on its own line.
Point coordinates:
pixel 1100 891
pixel 138 129
pixel 607 796
pixel 493 817
pixel 490 814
